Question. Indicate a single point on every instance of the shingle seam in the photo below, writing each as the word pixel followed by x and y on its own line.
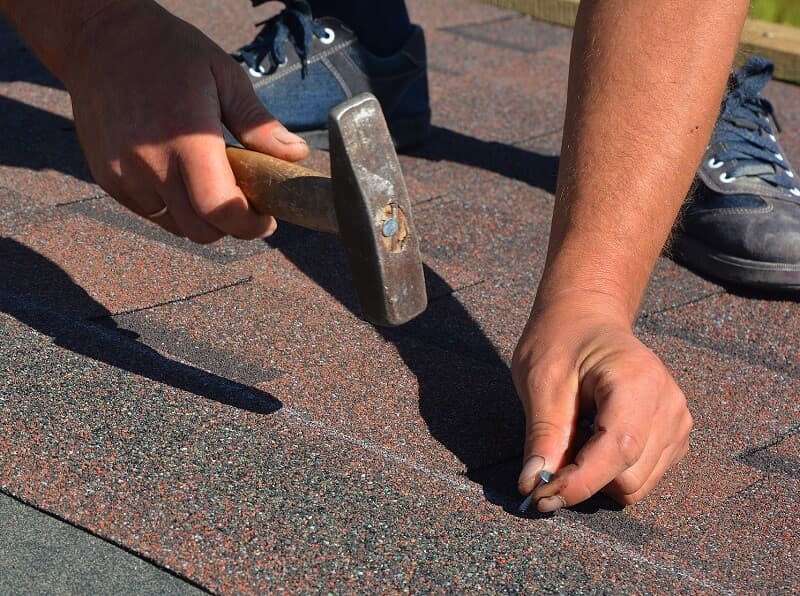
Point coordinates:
pixel 474 493
pixel 764 445
pixel 94 197
pixel 457 289
pixel 541 135
pixel 680 305
pixel 492 21
pixel 188 297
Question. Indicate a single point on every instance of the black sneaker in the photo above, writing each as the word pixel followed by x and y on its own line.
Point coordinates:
pixel 301 68
pixel 742 224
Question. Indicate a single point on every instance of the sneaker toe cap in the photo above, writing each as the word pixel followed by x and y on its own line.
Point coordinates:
pixel 761 230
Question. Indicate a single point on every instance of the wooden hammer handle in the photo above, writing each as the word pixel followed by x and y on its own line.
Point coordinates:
pixel 285 190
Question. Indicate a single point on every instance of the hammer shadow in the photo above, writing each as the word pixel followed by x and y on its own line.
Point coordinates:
pixel 466 395
pixel 38 293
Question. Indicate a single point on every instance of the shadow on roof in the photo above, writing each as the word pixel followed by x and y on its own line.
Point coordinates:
pixel 509 161
pixel 38 293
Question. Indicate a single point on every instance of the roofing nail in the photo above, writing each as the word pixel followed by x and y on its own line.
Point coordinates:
pixel 544 478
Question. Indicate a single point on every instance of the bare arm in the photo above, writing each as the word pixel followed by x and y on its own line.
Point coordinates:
pixel 150 94
pixel 646 80
pixel 49 27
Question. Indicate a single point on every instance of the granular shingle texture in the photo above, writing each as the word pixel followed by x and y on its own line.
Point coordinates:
pixel 223 412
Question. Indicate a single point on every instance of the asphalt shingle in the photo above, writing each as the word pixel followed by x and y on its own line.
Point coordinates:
pixel 223 412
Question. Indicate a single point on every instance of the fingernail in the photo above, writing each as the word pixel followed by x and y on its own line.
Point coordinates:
pixel 286 137
pixel 551 504
pixel 532 467
pixel 271 229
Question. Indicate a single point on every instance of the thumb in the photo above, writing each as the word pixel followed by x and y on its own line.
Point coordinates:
pixel 249 121
pixel 550 421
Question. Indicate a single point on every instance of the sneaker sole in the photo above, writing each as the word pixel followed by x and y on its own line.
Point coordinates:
pixel 405 132
pixel 735 270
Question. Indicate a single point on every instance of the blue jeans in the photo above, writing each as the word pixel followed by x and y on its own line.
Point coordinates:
pixel 382 26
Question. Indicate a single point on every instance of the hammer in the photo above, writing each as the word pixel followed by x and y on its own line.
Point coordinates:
pixel 365 201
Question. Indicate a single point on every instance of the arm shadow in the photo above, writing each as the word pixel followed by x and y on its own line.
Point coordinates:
pixel 18 63
pixel 510 161
pixel 40 140
pixel 39 294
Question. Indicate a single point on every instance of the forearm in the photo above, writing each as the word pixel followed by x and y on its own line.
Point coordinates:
pixel 646 80
pixel 50 26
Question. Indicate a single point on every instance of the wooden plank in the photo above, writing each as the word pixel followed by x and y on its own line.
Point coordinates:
pixel 778 43
pixel 561 12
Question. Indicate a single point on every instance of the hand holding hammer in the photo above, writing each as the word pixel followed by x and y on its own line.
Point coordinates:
pixel 365 201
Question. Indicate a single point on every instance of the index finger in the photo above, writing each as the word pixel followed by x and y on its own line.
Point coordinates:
pixel 212 189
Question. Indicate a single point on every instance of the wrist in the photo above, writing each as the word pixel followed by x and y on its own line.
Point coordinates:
pixel 102 32
pixel 580 303
pixel 586 286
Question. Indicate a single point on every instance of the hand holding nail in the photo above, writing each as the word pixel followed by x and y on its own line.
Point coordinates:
pixel 641 426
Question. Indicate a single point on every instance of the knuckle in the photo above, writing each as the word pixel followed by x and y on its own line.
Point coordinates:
pixel 207 210
pixel 520 365
pixel 578 491
pixel 218 210
pixel 630 447
pixel 248 109
pixel 623 496
pixel 628 483
pixel 630 499
pixel 543 377
pixel 544 428
pixel 687 423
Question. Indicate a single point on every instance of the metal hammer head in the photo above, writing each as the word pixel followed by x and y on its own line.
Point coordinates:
pixel 373 214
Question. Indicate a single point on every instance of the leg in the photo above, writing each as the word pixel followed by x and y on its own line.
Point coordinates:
pixel 315 54
pixel 742 222
pixel 381 25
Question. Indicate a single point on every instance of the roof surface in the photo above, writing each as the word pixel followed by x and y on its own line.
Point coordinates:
pixel 221 412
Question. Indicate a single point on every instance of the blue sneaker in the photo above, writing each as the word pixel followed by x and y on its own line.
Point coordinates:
pixel 742 224
pixel 301 67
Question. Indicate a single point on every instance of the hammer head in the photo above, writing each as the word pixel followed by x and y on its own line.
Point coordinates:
pixel 374 214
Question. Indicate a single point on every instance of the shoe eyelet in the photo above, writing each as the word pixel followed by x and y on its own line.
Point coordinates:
pixel 725 179
pixel 795 191
pixel 714 164
pixel 330 35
